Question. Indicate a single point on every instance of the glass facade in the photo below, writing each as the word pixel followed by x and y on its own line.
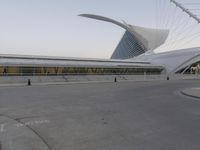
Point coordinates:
pixel 44 71
pixel 128 47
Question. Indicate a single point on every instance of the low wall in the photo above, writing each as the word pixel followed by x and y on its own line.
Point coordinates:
pixel 87 78
pixel 184 76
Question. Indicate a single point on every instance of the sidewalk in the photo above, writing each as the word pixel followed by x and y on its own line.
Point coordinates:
pixel 51 83
pixel 192 92
pixel 71 82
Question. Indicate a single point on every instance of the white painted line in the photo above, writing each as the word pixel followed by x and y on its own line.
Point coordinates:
pixel 195 88
pixel 31 123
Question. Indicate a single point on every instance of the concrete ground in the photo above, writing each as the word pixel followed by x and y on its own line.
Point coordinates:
pixel 193 92
pixel 100 116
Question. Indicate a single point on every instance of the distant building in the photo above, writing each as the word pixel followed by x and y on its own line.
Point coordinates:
pixel 133 56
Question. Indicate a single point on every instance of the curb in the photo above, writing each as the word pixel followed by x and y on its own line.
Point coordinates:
pixel 190 95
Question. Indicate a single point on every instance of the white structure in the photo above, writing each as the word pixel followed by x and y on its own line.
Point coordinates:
pixel 136 40
pixel 133 56
pixel 138 44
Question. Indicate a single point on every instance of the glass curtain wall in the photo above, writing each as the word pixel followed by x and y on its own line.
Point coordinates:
pixel 44 71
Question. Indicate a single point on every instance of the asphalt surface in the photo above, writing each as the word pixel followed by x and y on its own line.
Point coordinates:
pixel 100 116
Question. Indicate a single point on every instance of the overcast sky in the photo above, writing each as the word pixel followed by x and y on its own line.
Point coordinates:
pixel 52 27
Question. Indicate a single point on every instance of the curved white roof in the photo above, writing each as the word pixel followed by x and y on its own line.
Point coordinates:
pixel 23 60
pixel 149 38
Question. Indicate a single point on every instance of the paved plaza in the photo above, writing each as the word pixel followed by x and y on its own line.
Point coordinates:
pixel 100 116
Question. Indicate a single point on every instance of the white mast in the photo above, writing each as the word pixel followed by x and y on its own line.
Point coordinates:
pixel 186 10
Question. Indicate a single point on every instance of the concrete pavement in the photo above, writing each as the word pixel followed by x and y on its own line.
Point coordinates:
pixel 108 116
pixel 193 92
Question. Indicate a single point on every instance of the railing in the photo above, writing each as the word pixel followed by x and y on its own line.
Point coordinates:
pixel 70 74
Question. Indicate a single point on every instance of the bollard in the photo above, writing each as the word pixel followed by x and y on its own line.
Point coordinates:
pixel 167 77
pixel 115 79
pixel 29 82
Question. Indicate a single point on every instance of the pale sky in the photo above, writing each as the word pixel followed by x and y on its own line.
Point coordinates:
pixel 52 27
